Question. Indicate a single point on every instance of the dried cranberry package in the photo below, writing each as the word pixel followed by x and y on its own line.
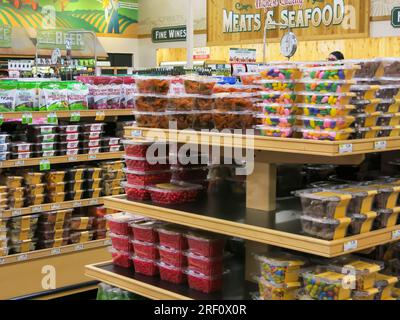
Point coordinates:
pixel 145 266
pixel 173 257
pixel 205 265
pixel 145 250
pixel 136 192
pixel 119 222
pixel 169 193
pixel 146 163
pixel 145 231
pixel 206 284
pixel 121 258
pixel 120 242
pixel 172 236
pixel 147 178
pixel 140 148
pixel 171 273
pixel 206 244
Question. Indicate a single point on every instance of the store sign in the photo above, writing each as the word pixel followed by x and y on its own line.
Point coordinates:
pixel 396 17
pixel 201 53
pixel 169 34
pixel 57 38
pixel 245 20
pixel 5 36
pixel 242 55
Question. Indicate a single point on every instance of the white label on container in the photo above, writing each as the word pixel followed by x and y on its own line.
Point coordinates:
pixel 92 157
pixel 22 257
pixel 37 209
pixel 55 206
pixel 72 158
pixel 380 145
pixel 72 145
pixel 113 141
pixel 396 235
pixel 77 204
pixel 16 212
pixel 19 163
pixel 351 245
pixel 55 251
pixel 136 133
pixel 107 242
pixel 79 247
pixel 72 152
pixel 345 148
pixel 115 148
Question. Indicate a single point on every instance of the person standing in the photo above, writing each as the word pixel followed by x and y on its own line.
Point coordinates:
pixel 111 11
pixel 336 56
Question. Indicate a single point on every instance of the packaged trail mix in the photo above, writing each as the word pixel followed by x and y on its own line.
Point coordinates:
pixel 53 97
pixel 26 96
pixel 7 95
pixel 77 94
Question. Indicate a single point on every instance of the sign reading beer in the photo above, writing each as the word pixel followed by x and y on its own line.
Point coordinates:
pixel 244 21
pixel 5 36
pixel 57 38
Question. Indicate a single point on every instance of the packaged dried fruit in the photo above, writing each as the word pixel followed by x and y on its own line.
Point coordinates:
pixel 55 176
pixel 120 242
pixel 146 178
pixel 389 106
pixel 205 265
pixel 173 237
pixel 93 173
pixel 121 258
pixel 173 257
pixel 145 230
pixel 153 85
pixel 234 102
pixel 56 187
pixel 145 266
pixel 323 228
pixel 366 120
pixel 362 199
pixel 56 197
pixel 203 283
pixel 199 85
pixel 119 222
pixel 145 250
pixel 278 97
pixel 233 120
pixel 277 120
pixel 334 99
pixel 386 285
pixel 203 120
pixel 330 135
pixel 136 192
pixel 181 120
pixel 53 243
pixel 205 244
pixel 388 91
pixel 81 223
pixel 168 193
pixel 273 291
pixel 204 103
pixel 277 109
pixel 171 273
pixel 81 236
pixel 250 78
pixel 34 200
pixel 56 216
pixel 281 268
pixel 23 246
pixel 361 222
pixel 152 120
pixel 386 218
pixel 182 102
pixel 33 177
pixel 151 103
pixel 281 72
pixel 146 163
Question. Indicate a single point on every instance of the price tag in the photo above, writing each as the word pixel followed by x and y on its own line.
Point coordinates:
pixel 55 251
pixel 396 235
pixel 345 148
pixel 16 212
pixel 22 257
pixel 77 204
pixel 136 133
pixel 44 165
pixel 79 247
pixel 37 209
pixel 2 261
pixel 1 119
pixel 52 118
pixel 27 118
pixel 72 158
pixel 107 242
pixel 75 117
pixel 19 163
pixel 93 202
pixel 92 156
pixel 351 245
pixel 380 145
pixel 55 206
pixel 100 115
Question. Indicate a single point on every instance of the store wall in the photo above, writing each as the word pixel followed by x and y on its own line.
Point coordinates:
pixel 122 45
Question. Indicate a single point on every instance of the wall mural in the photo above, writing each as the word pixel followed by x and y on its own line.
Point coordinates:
pixel 101 16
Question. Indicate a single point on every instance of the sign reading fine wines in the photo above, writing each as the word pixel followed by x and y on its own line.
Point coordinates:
pixel 243 20
pixel 5 36
pixel 169 34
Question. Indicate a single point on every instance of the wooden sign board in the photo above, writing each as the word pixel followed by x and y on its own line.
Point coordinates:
pixel 243 21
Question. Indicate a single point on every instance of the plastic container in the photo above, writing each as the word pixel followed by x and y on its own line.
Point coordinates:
pixel 168 193
pixel 320 203
pixel 45 146
pixel 234 102
pixel 361 223
pixel 54 234
pixel 136 192
pixel 385 285
pixel 74 185
pixel 120 258
pixel 5 156
pixel 115 148
pixel 182 120
pixel 145 178
pixel 119 222
pixel 388 119
pixel 145 250
pixel 16 203
pixel 278 85
pixel 93 173
pixel 329 135
pixel 4 147
pixel 36 130
pixel 199 85
pixel 23 222
pixel 56 187
pixel 93 183
pixel 81 223
pixel 145 231
pixel 281 72
pixel 389 68
pixel 326 123
pixel 344 72
pixel 145 266
pixel 16 235
pixel 45 138
pixel 250 78
pixel 278 97
pixel 206 244
pixel 189 174
pixel 86 144
pixel 274 291
pixel 71 128
pixel 68 137
pixel 56 216
pixel 171 273
pixel 151 103
pixel 81 237
pixel 364 92
pixel 366 133
pixel 233 120
pixel 35 200
pixel 120 242
pixel 317 85
pixel 323 228
pixel 3 223
pixel 389 106
pixel 139 148
pixel 70 152
pixel 277 109
pixel 152 120
pixel 12 181
pixel 56 197
pixel 173 257
pixel 55 176
pixel 33 178
pixel 387 195
pixel 153 85
pixel 95 135
pixel 53 226
pixel 93 193
pixel 4 138
pixel 203 283
pixel 366 120
pixel 110 141
pixel 21 147
pixel 204 103
pixel 93 127
pixel 146 164
pixel 182 103
pixel 388 91
pixel 205 265
pixel 362 199
pixel 16 192
pixel 277 121
pixel 24 155
pixel 386 218
pixel 23 246
pixel 173 237
pixel 334 99
pixel 53 243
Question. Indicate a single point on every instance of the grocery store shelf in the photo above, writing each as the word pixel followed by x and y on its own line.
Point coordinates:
pixel 282 146
pixel 235 287
pixel 51 207
pixel 61 159
pixel 99 114
pixel 63 292
pixel 50 269
pixel 232 218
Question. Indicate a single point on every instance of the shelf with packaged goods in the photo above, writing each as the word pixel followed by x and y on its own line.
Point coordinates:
pixel 234 285
pixel 26 272
pixel 98 114
pixel 61 159
pixel 51 207
pixel 233 219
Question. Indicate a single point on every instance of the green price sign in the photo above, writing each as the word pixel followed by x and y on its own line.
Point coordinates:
pixel 27 118
pixel 44 165
pixel 75 117
pixel 52 118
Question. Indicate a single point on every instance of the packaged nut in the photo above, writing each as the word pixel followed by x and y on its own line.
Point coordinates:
pixel 81 223
pixel 56 216
pixel 23 246
pixel 53 226
pixel 93 173
pixel 55 176
pixel 327 229
pixel 56 197
pixel 34 200
pixel 151 103
pixel 361 223
pixel 75 195
pixel 54 234
pixel 81 237
pixel 53 243
pixel 32 178
pixel 76 174
pixel 93 183
pixel 361 198
pixel 56 187
pixel 387 195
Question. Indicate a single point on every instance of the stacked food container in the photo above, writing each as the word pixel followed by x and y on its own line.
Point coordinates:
pixel 21 234
pixel 112 175
pixel 54 229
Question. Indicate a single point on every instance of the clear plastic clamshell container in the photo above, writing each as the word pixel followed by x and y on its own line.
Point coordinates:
pixel 334 99
pixel 317 85
pixel 361 222
pixel 277 291
pixel 119 222
pixel 168 193
pixel 325 135
pixel 326 123
pixel 323 228
pixel 325 110
pixel 206 244
pixel 386 218
pixel 343 72
pixel 274 131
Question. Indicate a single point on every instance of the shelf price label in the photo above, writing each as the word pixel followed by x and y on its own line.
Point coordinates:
pixel 396 235
pixel 79 247
pixel 44 165
pixel 136 133
pixel 351 245
pixel 55 251
pixel 92 156
pixel 75 117
pixel 107 242
pixel 19 163
pixel 36 209
pixel 22 257
pixel 77 204
pixel 100 115
pixel 52 118
pixel 27 118
pixel 345 148
pixel 55 206
pixel 1 119
pixel 93 202
pixel 380 145
pixel 73 158
pixel 2 261
pixel 16 212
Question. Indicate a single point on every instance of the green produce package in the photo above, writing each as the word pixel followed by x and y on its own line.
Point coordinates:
pixel 8 92
pixel 26 96
pixel 77 94
pixel 53 96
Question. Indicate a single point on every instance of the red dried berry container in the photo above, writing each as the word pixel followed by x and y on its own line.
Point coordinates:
pixel 145 231
pixel 189 174
pixel 206 244
pixel 145 266
pixel 121 258
pixel 173 257
pixel 146 164
pixel 139 148
pixel 145 250
pixel 119 222
pixel 120 242
pixel 206 284
pixel 168 193
pixel 173 237
pixel 205 265
pixel 171 273
pixel 135 192
pixel 147 178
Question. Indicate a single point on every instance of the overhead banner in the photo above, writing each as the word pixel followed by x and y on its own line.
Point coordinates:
pixel 104 17
pixel 56 38
pixel 5 36
pixel 244 21
pixel 169 34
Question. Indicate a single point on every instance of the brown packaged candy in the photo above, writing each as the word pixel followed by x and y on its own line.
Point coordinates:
pixel 56 216
pixel 152 120
pixel 233 120
pixel 149 103
pixel 184 120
